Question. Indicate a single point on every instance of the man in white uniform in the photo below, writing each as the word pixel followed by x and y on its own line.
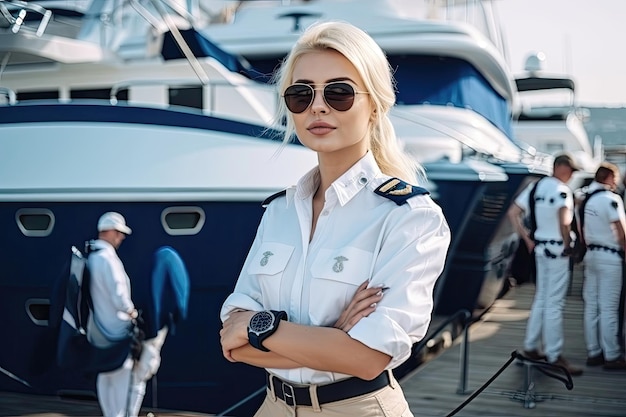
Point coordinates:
pixel 551 242
pixel 603 226
pixel 113 312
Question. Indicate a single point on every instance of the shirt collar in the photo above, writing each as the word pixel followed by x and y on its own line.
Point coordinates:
pixel 103 244
pixel 347 185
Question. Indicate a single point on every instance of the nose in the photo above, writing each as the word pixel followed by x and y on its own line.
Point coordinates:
pixel 319 104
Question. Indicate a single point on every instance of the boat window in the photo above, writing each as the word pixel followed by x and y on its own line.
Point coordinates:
pixel 35 222
pixel 38 95
pixel 186 96
pixel 99 94
pixel 182 220
pixel 38 309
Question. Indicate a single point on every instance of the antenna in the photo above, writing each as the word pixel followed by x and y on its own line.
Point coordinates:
pixel 567 59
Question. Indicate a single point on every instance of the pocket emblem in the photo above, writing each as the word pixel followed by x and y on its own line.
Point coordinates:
pixel 338 266
pixel 266 257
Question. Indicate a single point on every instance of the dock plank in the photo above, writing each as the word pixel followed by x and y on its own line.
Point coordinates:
pixel 431 389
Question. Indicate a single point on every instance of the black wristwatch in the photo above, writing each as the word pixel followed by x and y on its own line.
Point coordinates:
pixel 262 325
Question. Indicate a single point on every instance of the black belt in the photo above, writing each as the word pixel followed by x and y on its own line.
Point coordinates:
pixel 593 246
pixel 552 242
pixel 335 391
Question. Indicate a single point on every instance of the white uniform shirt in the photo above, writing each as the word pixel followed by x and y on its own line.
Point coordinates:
pixel 110 293
pixel 359 236
pixel 600 212
pixel 550 196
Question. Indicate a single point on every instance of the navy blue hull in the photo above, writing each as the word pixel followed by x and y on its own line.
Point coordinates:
pixel 193 374
pixel 484 241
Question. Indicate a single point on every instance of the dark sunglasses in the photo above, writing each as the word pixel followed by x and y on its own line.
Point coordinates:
pixel 338 95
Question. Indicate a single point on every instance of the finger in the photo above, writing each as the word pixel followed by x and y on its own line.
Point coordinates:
pixel 356 318
pixel 367 302
pixel 359 310
pixel 346 312
pixel 227 355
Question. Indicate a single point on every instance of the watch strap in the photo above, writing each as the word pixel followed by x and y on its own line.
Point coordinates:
pixel 256 340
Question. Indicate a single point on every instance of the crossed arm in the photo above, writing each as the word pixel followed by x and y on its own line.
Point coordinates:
pixel 324 348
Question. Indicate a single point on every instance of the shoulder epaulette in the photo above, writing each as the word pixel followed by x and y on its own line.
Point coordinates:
pixel 273 197
pixel 399 191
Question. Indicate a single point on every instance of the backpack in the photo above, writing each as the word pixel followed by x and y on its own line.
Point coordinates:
pixel 532 221
pixel 73 348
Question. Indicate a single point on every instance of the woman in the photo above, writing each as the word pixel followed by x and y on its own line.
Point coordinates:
pixel 338 282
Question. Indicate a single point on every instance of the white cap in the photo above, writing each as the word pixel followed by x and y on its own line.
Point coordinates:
pixel 113 221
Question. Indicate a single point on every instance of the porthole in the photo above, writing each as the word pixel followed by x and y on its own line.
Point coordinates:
pixel 179 221
pixel 36 222
pixel 38 309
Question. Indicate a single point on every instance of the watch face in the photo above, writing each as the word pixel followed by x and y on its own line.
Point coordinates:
pixel 261 321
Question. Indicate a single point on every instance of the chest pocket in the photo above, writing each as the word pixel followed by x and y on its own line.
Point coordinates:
pixel 268 265
pixel 337 273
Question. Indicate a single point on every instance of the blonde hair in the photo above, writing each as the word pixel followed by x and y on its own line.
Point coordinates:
pixel 372 65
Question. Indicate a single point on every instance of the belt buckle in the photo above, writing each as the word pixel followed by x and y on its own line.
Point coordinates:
pixel 288 393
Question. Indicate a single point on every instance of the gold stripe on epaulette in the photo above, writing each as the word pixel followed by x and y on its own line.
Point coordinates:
pixel 389 185
pixel 406 190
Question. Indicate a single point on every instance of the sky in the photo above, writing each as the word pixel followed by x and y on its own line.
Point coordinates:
pixel 584 39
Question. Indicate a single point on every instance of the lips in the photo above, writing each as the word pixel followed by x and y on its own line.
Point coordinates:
pixel 320 128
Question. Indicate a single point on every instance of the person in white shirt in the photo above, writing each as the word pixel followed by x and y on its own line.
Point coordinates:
pixel 551 242
pixel 338 283
pixel 603 224
pixel 113 311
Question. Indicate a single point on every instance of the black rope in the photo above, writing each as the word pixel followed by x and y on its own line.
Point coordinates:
pixel 485 385
pixel 569 384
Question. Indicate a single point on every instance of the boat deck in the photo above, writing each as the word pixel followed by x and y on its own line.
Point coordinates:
pixel 432 388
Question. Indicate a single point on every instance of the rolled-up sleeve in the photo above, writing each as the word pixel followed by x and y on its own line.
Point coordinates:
pixel 412 256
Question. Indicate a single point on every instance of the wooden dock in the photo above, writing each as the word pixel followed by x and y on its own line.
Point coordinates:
pixel 432 388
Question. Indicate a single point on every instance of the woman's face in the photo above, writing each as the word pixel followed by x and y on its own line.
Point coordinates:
pixel 320 127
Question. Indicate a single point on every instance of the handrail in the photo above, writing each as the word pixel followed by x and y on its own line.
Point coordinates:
pixel 465 315
pixel 24 8
pixel 9 94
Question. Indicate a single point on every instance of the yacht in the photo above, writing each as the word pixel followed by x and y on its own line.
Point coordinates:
pixel 180 145
pixel 551 121
pixel 160 110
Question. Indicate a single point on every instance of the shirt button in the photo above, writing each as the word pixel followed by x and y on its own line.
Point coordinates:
pixel 363 180
pixel 325 213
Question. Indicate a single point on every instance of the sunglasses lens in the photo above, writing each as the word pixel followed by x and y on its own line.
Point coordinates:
pixel 339 96
pixel 298 97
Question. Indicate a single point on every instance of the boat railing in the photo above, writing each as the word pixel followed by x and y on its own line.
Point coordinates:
pixel 9 94
pixel 463 317
pixel 13 14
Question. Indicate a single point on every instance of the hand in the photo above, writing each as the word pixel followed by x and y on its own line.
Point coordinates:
pixel 234 333
pixel 136 343
pixel 362 305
